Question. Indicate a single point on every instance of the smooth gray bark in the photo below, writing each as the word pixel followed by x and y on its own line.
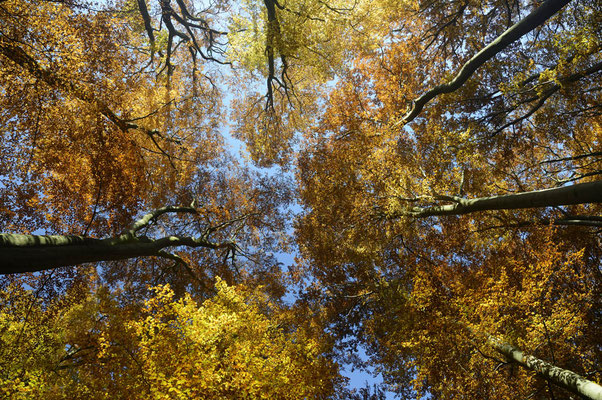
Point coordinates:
pixel 30 253
pixel 562 377
pixel 581 193
pixel 541 14
pixel 18 255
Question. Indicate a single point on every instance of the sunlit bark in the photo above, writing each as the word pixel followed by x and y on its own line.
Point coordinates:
pixel 562 377
pixel 581 193
pixel 30 253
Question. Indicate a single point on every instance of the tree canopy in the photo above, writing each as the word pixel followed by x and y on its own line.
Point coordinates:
pixel 433 167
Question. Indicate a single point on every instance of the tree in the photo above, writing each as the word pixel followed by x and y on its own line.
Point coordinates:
pixel 438 322
pixel 107 117
pixel 99 131
pixel 76 89
pixel 446 156
pixel 94 347
pixel 394 173
pixel 288 53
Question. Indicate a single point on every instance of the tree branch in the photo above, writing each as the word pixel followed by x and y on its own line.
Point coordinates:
pixel 24 60
pixel 153 215
pixel 518 30
pixel 577 157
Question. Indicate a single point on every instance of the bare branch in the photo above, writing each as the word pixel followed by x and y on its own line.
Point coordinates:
pixel 147 25
pixel 577 157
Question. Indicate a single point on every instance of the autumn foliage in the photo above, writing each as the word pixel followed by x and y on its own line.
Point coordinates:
pixel 95 348
pixel 433 167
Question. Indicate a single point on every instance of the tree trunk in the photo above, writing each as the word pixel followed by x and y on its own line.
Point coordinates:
pixel 540 15
pixel 562 377
pixel 31 253
pixel 18 254
pixel 581 193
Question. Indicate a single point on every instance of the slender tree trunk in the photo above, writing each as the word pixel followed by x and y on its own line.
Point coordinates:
pixel 31 253
pixel 581 193
pixel 562 377
pixel 540 15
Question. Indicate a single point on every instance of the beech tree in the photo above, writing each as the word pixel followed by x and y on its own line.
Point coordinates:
pixel 113 162
pixel 445 155
pixel 103 127
pixel 446 195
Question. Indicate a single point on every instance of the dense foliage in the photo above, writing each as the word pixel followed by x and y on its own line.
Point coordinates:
pixel 433 166
pixel 95 348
